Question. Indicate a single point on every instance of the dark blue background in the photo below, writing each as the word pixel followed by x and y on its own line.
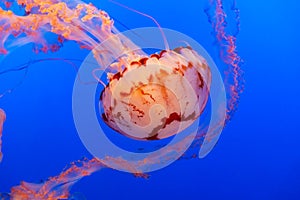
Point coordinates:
pixel 258 155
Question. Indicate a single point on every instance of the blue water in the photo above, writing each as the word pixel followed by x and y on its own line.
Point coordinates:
pixel 258 154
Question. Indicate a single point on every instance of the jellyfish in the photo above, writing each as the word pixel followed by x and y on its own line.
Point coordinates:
pixel 147 97
pixel 145 105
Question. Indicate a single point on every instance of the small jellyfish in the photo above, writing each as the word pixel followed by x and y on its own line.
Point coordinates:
pixel 2 119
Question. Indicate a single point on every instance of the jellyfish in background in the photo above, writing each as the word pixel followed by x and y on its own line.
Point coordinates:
pixel 146 104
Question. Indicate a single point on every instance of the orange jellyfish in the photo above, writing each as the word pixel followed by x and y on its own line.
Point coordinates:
pixel 147 97
pixel 152 97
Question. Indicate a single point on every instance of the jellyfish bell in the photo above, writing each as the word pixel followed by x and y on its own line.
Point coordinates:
pixel 158 96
